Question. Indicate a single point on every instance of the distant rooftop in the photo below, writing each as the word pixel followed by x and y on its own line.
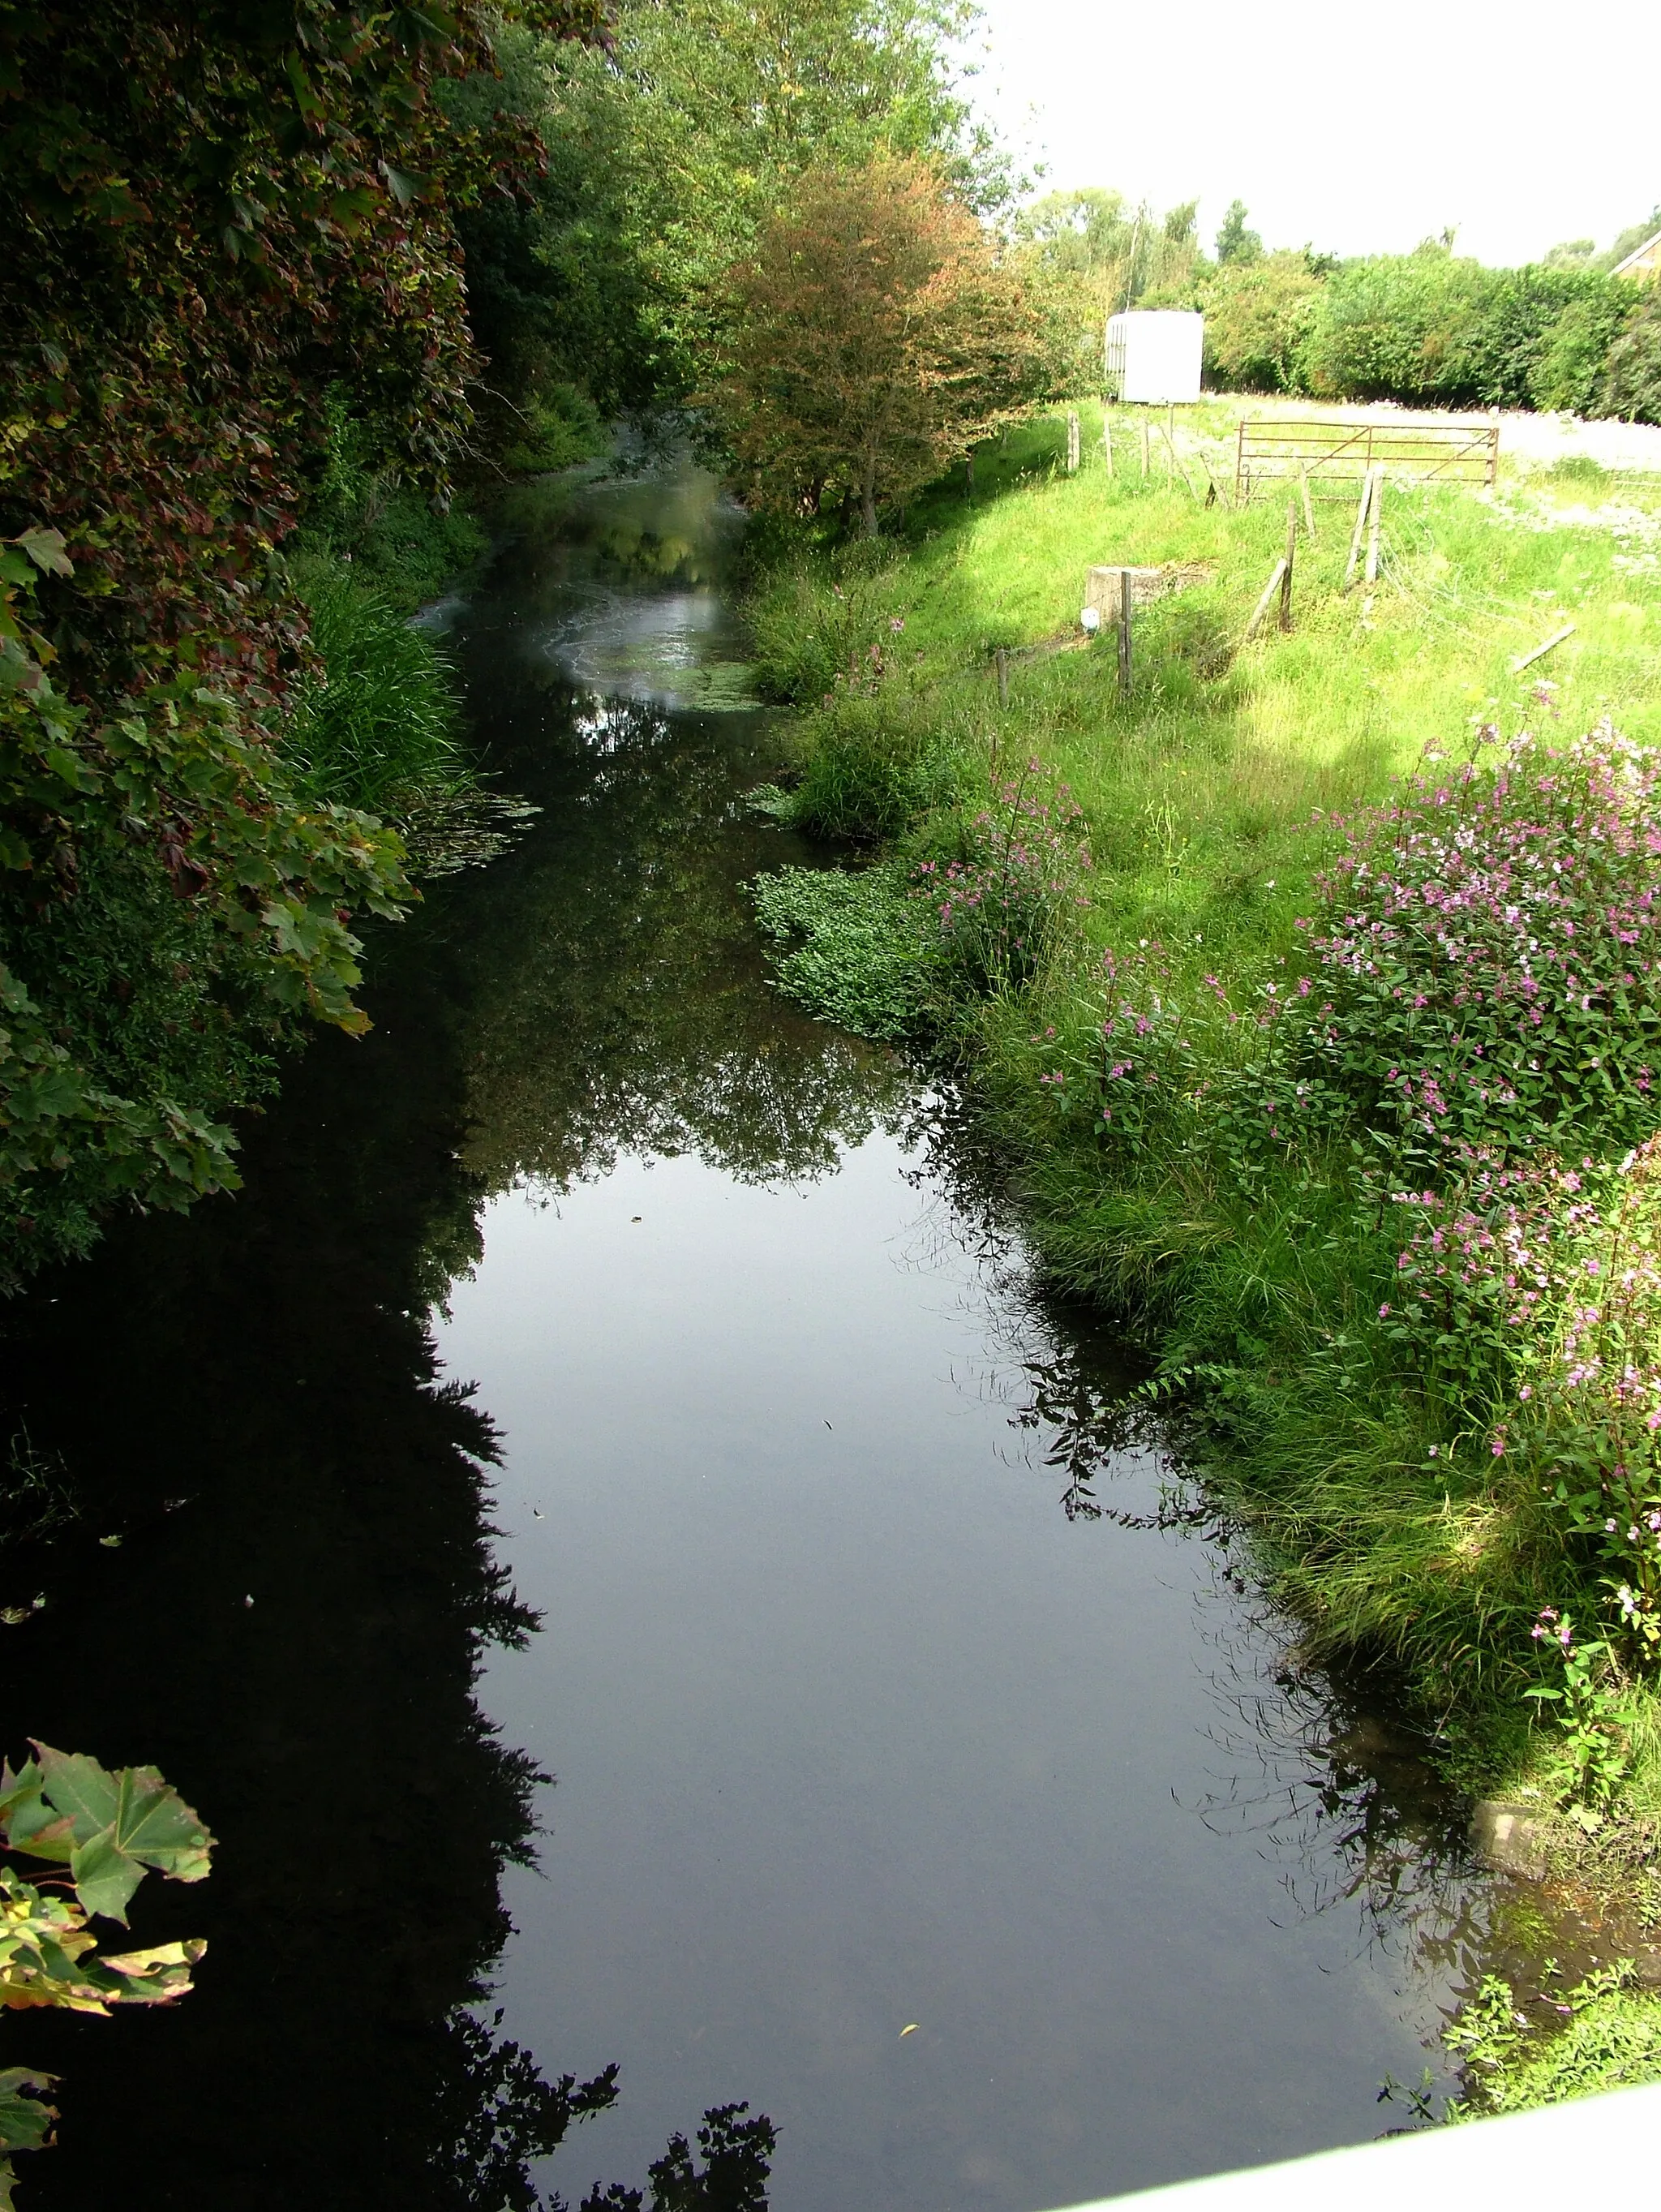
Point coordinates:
pixel 1644 261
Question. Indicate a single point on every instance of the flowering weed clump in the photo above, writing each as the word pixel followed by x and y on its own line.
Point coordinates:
pixel 1488 951
pixel 1006 905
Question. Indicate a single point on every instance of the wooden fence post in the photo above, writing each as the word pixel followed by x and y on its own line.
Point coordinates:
pixel 1125 633
pixel 1269 592
pixel 1355 535
pixel 1072 443
pixel 1285 565
pixel 1308 511
pixel 1373 525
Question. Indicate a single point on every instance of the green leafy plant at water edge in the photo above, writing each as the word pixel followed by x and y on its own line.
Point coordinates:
pixel 809 632
pixel 875 764
pixel 181 792
pixel 852 946
pixel 1610 2040
pixel 106 1830
pixel 1593 1708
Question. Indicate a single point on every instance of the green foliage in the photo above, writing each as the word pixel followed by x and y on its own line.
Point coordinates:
pixel 1632 373
pixel 1236 242
pixel 360 512
pixel 852 946
pixel 1611 2040
pixel 876 331
pixel 808 631
pixel 107 1829
pixel 220 213
pixel 1593 1709
pixel 1396 327
pixel 1257 312
pixel 1434 329
pixel 374 726
pixel 667 153
pixel 176 796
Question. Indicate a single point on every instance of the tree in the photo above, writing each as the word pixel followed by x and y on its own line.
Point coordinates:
pixel 672 146
pixel 1234 241
pixel 1256 315
pixel 880 332
pixel 215 208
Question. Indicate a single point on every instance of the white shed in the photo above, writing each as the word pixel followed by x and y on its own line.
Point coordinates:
pixel 1154 354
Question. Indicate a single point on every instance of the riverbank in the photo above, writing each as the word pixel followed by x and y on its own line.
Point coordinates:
pixel 1196 957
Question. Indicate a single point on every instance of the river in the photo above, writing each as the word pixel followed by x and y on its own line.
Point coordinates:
pixel 635 1569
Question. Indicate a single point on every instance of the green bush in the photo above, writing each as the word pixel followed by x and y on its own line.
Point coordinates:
pixel 361 513
pixel 1632 376
pixel 809 630
pixel 556 425
pixel 1257 314
pixel 1430 329
pixel 1398 326
pixel 874 763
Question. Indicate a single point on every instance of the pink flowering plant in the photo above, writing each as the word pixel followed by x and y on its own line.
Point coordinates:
pixel 1487 954
pixel 1005 904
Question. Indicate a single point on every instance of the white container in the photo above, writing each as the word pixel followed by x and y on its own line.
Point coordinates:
pixel 1154 354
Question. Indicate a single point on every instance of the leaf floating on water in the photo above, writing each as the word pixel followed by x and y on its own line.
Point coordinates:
pixel 910 2028
pixel 109 1542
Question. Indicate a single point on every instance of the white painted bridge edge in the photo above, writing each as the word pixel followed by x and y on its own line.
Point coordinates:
pixel 1561 2156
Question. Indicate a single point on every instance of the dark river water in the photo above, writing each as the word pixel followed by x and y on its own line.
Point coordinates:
pixel 636 1573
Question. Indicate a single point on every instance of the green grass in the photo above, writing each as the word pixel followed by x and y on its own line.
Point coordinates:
pixel 376 726
pixel 1210 796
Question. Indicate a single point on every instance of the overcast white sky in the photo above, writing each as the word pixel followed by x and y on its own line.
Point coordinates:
pixel 1356 130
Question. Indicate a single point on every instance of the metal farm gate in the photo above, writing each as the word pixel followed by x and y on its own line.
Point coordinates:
pixel 1275 447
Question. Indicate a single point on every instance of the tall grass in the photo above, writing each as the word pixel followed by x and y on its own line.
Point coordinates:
pixel 375 726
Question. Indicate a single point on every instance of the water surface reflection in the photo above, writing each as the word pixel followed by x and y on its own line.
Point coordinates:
pixel 607 1373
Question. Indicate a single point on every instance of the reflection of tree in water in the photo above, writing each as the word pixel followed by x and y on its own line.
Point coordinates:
pixel 291 1627
pixel 606 977
pixel 670 526
pixel 1341 1796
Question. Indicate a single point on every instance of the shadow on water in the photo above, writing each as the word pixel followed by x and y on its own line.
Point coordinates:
pixel 307 1590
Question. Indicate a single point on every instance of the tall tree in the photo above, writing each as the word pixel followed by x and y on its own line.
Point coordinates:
pixel 880 331
pixel 702 113
pixel 1234 241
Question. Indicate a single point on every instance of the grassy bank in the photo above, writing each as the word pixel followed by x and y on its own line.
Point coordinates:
pixel 1276 1156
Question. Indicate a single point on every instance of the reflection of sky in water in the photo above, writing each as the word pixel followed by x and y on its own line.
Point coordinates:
pixel 651 625
pixel 677 650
